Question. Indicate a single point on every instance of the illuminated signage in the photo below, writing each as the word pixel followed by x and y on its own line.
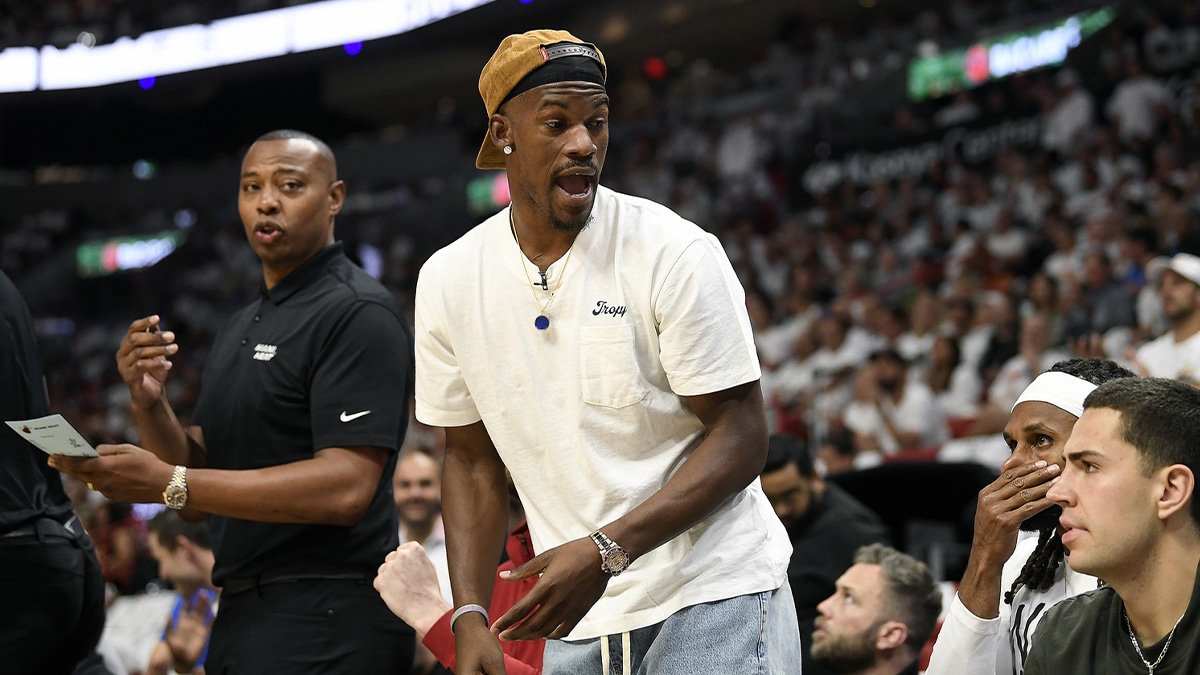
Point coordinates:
pixel 488 194
pixel 1002 56
pixel 119 254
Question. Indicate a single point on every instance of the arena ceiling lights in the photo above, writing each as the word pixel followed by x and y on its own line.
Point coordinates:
pixel 239 39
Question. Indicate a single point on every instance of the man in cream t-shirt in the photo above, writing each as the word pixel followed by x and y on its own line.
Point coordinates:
pixel 598 347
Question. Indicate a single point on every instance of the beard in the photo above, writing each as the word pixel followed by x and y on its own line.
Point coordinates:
pixel 891 386
pixel 846 653
pixel 1044 520
pixel 572 226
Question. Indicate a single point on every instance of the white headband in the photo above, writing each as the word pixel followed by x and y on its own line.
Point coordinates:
pixel 1059 390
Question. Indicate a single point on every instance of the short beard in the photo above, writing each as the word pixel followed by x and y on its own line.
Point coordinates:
pixel 1043 520
pixel 891 386
pixel 574 227
pixel 846 653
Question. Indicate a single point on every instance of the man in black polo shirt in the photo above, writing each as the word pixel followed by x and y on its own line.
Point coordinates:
pixel 304 402
pixel 51 588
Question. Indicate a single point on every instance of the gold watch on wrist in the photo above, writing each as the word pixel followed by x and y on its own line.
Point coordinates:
pixel 176 494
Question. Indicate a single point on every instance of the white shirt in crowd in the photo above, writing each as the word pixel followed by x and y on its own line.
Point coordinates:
pixel 1164 357
pixel 918 411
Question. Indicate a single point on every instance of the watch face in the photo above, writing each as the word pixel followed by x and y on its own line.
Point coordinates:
pixel 617 560
pixel 175 497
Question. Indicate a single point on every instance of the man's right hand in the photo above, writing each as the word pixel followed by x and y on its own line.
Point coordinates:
pixel 143 361
pixel 1017 494
pixel 477 649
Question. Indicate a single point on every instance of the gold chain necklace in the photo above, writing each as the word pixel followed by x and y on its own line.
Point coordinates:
pixel 1138 648
pixel 541 322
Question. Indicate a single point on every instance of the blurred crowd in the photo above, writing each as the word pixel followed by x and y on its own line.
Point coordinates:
pixel 893 309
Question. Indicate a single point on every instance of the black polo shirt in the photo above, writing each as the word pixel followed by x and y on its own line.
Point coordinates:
pixel 321 360
pixel 29 489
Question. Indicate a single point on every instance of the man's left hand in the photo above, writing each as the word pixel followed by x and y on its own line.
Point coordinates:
pixel 571 582
pixel 123 473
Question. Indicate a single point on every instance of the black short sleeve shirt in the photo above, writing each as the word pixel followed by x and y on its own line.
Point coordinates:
pixel 321 360
pixel 29 489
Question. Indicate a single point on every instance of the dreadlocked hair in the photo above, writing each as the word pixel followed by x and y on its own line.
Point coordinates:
pixel 1039 569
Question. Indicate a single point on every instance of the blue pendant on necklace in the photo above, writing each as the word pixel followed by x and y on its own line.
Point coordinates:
pixel 541 323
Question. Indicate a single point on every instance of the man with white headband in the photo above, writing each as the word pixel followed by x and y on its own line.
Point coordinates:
pixel 982 635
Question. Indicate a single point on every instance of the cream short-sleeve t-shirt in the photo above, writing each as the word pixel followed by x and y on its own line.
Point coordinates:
pixel 587 414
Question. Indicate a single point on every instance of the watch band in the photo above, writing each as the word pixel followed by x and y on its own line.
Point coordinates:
pixel 176 493
pixel 613 558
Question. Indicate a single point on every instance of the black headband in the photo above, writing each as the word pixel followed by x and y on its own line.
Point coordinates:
pixel 560 69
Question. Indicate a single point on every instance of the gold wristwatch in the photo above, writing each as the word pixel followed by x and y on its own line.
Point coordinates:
pixel 176 494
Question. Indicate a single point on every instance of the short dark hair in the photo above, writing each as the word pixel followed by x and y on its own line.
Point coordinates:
pixel 1096 371
pixel 1144 235
pixel 168 527
pixel 784 449
pixel 913 596
pixel 294 134
pixel 1160 418
pixel 841 441
pixel 888 354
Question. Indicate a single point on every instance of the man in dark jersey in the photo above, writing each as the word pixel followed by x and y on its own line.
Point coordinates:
pixel 303 404
pixel 50 580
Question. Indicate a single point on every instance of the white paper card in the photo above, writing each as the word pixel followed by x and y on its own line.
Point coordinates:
pixel 54 435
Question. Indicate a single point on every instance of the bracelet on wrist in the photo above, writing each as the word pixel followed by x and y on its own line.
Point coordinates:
pixel 467 609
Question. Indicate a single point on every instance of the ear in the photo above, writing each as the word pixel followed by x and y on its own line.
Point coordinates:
pixel 891 635
pixel 337 196
pixel 184 544
pixel 499 130
pixel 1177 485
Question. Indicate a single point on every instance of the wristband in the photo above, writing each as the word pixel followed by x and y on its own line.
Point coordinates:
pixel 466 609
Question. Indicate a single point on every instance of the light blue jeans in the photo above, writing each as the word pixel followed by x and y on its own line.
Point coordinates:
pixel 744 635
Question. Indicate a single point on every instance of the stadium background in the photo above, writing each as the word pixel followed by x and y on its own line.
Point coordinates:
pixel 785 127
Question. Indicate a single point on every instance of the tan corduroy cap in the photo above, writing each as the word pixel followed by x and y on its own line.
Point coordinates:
pixel 516 57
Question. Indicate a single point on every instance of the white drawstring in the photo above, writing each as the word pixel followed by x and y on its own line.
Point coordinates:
pixel 605 661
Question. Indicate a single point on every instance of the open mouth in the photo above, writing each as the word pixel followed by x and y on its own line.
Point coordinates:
pixel 267 232
pixel 577 186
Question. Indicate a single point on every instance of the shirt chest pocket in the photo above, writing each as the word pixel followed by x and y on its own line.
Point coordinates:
pixel 610 372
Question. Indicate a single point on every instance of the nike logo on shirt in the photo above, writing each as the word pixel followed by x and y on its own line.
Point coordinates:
pixel 347 418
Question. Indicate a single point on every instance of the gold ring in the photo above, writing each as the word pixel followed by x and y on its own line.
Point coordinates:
pixel 91 487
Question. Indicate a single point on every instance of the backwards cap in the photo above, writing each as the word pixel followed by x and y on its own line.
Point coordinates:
pixel 511 71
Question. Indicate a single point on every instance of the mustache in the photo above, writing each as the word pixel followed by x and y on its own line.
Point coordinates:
pixel 558 171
